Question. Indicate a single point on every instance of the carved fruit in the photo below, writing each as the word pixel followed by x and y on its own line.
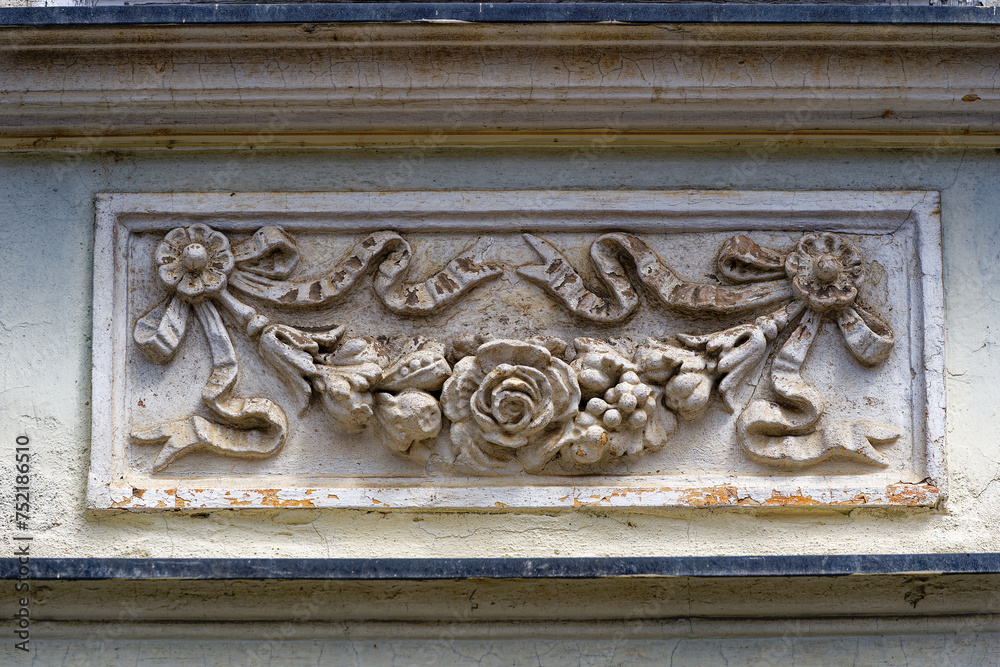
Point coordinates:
pixel 410 417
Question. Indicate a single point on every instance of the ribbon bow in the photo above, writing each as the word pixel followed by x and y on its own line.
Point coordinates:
pixel 201 271
pixel 820 276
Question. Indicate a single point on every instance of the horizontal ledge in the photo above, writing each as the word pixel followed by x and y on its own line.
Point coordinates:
pixel 513 12
pixel 497 568
pixel 597 140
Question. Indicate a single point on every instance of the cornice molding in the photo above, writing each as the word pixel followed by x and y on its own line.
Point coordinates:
pixel 498 84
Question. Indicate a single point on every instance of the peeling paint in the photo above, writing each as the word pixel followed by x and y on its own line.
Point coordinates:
pixel 923 494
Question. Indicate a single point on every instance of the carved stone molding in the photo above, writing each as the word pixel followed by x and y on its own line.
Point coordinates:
pixel 517 349
pixel 510 84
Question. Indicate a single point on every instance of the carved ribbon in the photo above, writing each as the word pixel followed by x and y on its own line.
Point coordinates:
pixel 201 270
pixel 741 259
pixel 460 274
pixel 266 259
pixel 785 433
pixel 251 428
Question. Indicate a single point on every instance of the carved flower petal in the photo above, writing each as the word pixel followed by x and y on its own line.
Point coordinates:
pixel 797 263
pixel 801 285
pixel 191 285
pixel 167 253
pixel 510 379
pixel 565 390
pixel 819 244
pixel 831 243
pixel 512 410
pixel 479 455
pixel 854 274
pixel 199 232
pixel 215 241
pixel 222 261
pixel 832 297
pixel 178 238
pixel 459 389
pixel 542 419
pixel 213 281
pixel 513 352
pixel 504 439
pixel 171 274
pixel 849 255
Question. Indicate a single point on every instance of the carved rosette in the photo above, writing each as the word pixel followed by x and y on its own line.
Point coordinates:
pixel 507 396
pixel 195 262
pixel 510 406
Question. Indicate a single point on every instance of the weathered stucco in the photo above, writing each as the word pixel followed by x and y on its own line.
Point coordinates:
pixel 45 328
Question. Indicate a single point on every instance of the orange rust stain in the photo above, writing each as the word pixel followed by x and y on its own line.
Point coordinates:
pixel 500 504
pixel 801 500
pixel 714 496
pixel 797 499
pixel 270 499
pixel 331 495
pixel 971 97
pixel 577 503
pixel 169 492
pixel 912 495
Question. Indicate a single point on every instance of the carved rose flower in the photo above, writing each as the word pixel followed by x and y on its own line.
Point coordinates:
pixel 508 392
pixel 194 261
pixel 825 271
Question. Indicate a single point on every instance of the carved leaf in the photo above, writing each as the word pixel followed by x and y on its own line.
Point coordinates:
pixel 739 351
pixel 422 369
pixel 661 426
pixel 292 353
pixel 345 380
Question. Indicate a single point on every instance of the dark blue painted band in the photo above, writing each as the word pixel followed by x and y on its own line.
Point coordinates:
pixel 506 12
pixel 494 568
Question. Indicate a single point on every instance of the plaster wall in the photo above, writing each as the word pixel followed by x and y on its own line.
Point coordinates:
pixel 45 327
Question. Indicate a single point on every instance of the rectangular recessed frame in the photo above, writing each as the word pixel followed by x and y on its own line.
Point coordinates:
pixel 897 222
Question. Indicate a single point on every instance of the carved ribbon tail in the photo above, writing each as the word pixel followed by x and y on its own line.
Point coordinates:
pixel 757 267
pixel 386 250
pixel 159 332
pixel 785 433
pixel 251 428
pixel 868 338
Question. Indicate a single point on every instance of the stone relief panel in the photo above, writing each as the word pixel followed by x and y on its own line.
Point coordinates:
pixel 517 349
